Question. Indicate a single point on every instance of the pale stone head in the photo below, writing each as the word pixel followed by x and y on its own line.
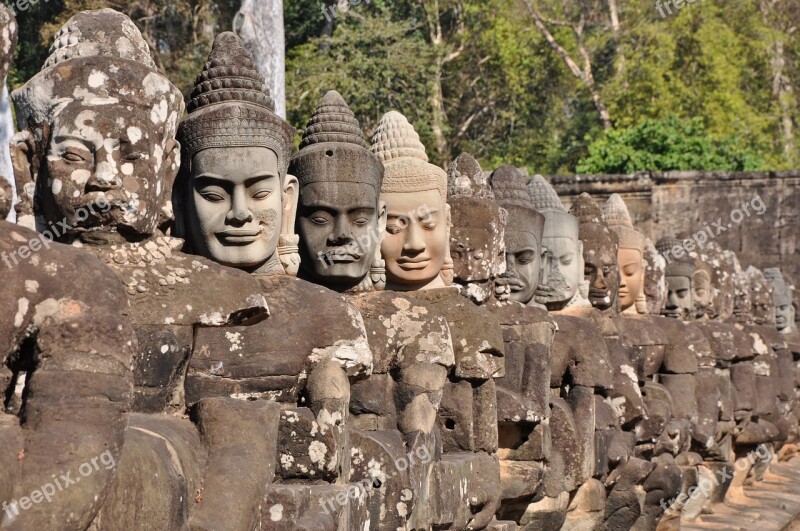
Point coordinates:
pixel 564 247
pixel 96 147
pixel 233 198
pixel 416 245
pixel 341 219
pixel 679 273
pixel 742 300
pixel 524 253
pixel 630 256
pixel 782 299
pixel 600 249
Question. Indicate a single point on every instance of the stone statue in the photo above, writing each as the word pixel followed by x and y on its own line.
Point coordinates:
pixel 679 273
pixel 477 236
pixel 564 247
pixel 341 222
pixel 763 307
pixel 240 215
pixel 465 177
pixel 525 253
pixel 416 249
pixel 66 353
pixel 782 299
pixel 599 254
pixel 416 244
pixel 630 257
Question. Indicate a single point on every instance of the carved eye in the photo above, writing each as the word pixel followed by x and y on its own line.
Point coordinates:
pixel 263 194
pixel 135 155
pixel 319 220
pixel 72 156
pixel 212 197
pixel 361 221
pixel 429 225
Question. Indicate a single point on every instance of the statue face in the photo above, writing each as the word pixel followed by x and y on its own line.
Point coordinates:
pixel 631 276
pixel 600 269
pixel 340 226
pixel 702 293
pixel 679 298
pixel 108 156
pixel 564 265
pixel 474 254
pixel 235 208
pixel 763 310
pixel 523 265
pixel 415 244
pixel 784 316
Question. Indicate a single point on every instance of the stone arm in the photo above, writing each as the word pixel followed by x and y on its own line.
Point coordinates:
pixel 63 327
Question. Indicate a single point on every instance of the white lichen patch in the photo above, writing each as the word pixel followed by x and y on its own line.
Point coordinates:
pixel 22 311
pixel 276 512
pixel 31 286
pixel 235 339
pixel 316 452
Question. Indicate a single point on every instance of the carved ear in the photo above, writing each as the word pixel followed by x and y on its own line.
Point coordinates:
pixel 382 216
pixel 169 170
pixel 291 196
pixel 288 241
pixel 23 148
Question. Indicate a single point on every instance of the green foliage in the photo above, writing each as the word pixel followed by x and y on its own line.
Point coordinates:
pixel 695 89
pixel 665 145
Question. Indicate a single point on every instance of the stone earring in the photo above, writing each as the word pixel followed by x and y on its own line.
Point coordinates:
pixel 448 271
pixel 289 253
pixel 641 304
pixel 377 274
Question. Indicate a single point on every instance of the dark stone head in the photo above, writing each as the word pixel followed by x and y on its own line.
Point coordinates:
pixel 600 248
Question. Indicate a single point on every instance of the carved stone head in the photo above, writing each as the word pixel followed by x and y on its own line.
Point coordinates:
pixel 679 273
pixel 465 177
pixel 630 256
pixel 762 307
pixel 742 301
pixel 524 253
pixel 5 198
pixel 600 249
pixel 655 282
pixel 341 219
pixel 416 244
pixel 564 247
pixel 96 150
pixel 782 299
pixel 477 235
pixel 233 198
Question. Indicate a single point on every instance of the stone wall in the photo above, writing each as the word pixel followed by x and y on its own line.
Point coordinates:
pixel 674 202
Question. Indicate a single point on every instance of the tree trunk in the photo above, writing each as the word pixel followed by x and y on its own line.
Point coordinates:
pixel 260 25
pixel 439 118
pixel 782 91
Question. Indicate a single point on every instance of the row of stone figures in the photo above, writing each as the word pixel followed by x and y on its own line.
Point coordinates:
pixel 347 336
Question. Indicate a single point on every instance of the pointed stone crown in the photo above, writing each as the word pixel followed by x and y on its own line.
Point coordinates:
pixel 592 227
pixel 616 214
pixel 676 267
pixel 231 106
pixel 543 195
pixel 98 56
pixel 511 193
pixel 397 145
pixel 558 222
pixel 586 210
pixel 333 148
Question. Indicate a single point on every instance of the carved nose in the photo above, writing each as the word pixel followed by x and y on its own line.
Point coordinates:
pixel 415 243
pixel 340 234
pixel 239 212
pixel 104 178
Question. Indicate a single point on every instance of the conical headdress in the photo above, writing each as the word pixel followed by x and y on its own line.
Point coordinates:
pixel 782 293
pixel 618 219
pixel 676 267
pixel 511 193
pixel 99 57
pixel 397 145
pixel 558 222
pixel 333 148
pixel 231 106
